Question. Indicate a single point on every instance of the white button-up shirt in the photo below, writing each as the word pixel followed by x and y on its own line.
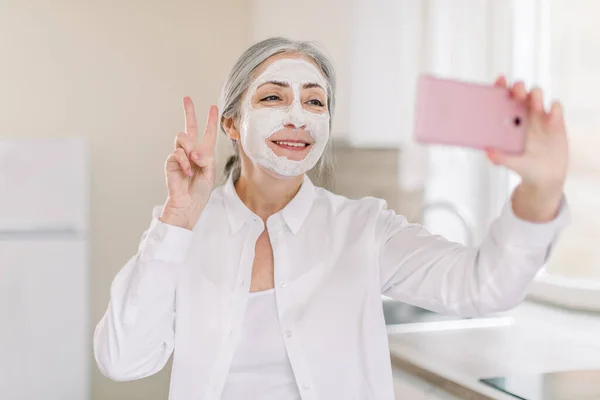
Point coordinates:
pixel 334 258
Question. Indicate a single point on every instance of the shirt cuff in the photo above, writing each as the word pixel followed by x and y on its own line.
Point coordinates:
pixel 521 233
pixel 166 242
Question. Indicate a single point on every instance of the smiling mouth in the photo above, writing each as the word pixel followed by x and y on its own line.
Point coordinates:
pixel 293 145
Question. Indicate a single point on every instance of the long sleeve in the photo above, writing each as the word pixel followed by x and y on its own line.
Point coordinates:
pixel 135 337
pixel 431 272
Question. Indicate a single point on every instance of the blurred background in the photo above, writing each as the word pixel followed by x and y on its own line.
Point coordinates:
pixel 90 93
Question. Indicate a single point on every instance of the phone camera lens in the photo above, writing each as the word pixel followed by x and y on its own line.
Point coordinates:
pixel 517 121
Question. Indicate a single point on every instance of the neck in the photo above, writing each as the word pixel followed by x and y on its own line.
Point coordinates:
pixel 265 194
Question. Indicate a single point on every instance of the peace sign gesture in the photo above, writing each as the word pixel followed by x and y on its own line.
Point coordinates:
pixel 190 170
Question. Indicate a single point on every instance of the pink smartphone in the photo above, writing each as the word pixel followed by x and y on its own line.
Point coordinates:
pixel 456 113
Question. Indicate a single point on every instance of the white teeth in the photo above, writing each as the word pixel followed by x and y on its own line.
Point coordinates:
pixel 293 144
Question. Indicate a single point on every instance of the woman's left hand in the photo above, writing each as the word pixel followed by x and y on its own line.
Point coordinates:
pixel 543 164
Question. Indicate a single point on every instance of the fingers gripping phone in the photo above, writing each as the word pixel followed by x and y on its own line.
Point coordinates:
pixel 456 113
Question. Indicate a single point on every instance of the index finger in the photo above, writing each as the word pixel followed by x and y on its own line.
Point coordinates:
pixel 191 125
pixel 209 140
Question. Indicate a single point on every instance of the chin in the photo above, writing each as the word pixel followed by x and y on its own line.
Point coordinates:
pixel 271 172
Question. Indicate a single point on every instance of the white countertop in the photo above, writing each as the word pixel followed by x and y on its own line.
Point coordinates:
pixel 541 339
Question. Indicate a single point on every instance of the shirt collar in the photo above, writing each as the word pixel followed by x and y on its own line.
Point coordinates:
pixel 294 213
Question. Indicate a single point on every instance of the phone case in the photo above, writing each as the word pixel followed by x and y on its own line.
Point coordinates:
pixel 456 113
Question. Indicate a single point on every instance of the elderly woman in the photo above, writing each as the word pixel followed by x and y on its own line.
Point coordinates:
pixel 270 287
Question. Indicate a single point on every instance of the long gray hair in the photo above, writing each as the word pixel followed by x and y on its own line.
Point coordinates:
pixel 240 78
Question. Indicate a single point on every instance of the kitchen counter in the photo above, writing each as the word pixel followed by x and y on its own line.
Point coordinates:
pixel 541 339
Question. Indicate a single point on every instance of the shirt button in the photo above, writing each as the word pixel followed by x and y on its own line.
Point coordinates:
pixel 282 284
pixel 306 386
pixel 242 283
pixel 288 334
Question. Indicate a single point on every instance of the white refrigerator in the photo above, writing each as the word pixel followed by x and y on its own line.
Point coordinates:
pixel 44 269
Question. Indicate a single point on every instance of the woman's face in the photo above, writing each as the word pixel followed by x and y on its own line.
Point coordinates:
pixel 284 124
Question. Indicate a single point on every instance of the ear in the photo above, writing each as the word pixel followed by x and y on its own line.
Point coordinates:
pixel 230 126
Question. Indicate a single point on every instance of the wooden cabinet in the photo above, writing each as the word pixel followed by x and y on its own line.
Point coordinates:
pixel 363 172
pixel 410 387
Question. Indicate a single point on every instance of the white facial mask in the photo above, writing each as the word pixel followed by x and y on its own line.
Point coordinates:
pixel 259 124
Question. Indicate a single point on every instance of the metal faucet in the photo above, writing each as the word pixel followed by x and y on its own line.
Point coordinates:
pixel 464 217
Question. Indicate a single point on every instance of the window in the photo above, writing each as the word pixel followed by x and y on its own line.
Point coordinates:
pixel 574 66
pixel 570 66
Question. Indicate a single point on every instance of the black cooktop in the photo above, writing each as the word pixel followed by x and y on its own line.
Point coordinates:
pixel 561 385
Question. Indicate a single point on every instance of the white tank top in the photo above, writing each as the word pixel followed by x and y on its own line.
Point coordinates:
pixel 260 368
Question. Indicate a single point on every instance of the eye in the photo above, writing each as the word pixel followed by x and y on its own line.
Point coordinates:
pixel 271 98
pixel 316 102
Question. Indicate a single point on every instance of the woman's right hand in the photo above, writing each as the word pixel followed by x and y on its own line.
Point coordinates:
pixel 190 170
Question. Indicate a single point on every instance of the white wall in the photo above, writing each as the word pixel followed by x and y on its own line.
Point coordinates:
pixel 327 22
pixel 374 45
pixel 115 72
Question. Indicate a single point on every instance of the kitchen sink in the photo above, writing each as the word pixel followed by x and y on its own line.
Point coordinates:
pixel 402 317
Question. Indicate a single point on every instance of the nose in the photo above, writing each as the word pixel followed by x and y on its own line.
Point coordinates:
pixel 295 125
pixel 295 116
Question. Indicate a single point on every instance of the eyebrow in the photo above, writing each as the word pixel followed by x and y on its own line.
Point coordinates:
pixel 285 84
pixel 312 85
pixel 276 83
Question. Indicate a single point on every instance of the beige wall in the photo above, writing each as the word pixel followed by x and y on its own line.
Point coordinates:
pixel 115 72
